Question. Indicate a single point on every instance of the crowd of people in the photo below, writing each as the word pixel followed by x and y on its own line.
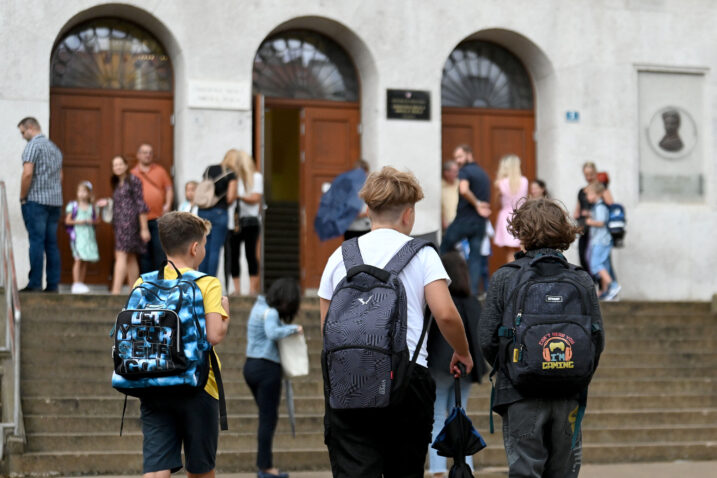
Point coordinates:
pixel 365 440
pixel 140 196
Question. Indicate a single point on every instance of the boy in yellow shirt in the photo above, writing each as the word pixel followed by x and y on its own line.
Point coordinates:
pixel 170 420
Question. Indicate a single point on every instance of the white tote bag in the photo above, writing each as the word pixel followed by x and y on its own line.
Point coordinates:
pixel 294 354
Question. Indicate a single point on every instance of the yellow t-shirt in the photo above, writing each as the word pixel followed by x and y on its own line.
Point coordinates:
pixel 212 296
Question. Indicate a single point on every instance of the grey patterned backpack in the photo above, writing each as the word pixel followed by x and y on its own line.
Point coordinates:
pixel 365 358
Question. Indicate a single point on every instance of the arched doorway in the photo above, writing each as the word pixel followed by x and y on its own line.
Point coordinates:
pixel 308 122
pixel 111 89
pixel 487 103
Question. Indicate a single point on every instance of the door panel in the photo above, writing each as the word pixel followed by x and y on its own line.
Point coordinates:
pixel 90 128
pixel 492 134
pixel 330 146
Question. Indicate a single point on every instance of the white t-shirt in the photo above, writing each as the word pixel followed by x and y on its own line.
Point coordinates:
pixel 377 248
pixel 246 209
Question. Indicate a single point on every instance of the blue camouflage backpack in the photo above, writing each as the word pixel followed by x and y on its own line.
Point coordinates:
pixel 160 339
pixel 365 359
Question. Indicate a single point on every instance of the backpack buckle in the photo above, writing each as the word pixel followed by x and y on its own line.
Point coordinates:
pixel 506 332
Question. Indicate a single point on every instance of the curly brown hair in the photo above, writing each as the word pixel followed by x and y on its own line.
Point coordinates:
pixel 542 223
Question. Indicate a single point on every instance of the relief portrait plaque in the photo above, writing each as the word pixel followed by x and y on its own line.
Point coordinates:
pixel 672 132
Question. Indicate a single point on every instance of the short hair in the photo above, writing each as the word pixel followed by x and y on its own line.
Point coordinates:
pixel 178 230
pixel 465 147
pixel 192 182
pixel 284 295
pixel 448 165
pixel 29 122
pixel 389 191
pixel 363 164
pixel 589 165
pixel 145 144
pixel 457 270
pixel 542 223
pixel 597 187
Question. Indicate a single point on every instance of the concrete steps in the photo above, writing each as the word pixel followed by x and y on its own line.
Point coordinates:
pixel 654 397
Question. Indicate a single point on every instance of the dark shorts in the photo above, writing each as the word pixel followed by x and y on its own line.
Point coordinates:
pixel 169 421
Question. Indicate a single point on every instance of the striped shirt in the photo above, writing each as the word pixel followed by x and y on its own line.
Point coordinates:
pixel 46 185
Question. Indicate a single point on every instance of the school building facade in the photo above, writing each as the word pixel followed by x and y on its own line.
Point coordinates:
pixel 310 86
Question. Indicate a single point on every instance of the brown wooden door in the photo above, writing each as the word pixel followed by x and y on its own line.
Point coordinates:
pixel 90 127
pixel 492 134
pixel 329 146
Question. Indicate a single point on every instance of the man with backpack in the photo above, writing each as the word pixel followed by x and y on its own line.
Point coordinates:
pixel 541 329
pixel 373 293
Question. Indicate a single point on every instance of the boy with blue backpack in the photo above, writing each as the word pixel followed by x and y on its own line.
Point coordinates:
pixel 541 329
pixel 601 242
pixel 164 353
pixel 373 297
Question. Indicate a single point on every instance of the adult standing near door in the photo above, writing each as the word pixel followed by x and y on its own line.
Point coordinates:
pixel 512 187
pixel 158 194
pixel 224 176
pixel 41 203
pixel 250 192
pixel 473 209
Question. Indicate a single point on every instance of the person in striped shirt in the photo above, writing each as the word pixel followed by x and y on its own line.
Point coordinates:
pixel 41 201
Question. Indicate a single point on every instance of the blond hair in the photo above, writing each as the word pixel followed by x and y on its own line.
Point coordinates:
pixel 231 161
pixel 597 187
pixel 389 191
pixel 247 168
pixel 509 167
pixel 589 165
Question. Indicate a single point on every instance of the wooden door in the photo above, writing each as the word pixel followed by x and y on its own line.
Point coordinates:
pixel 92 126
pixel 492 134
pixel 329 146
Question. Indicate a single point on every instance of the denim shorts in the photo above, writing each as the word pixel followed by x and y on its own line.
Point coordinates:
pixel 170 420
pixel 599 258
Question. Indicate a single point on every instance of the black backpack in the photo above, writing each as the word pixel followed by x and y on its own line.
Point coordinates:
pixel 548 341
pixel 365 360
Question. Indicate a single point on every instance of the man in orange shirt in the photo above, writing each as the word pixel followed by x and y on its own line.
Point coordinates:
pixel 158 192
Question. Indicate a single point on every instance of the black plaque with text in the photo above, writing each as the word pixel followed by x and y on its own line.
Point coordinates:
pixel 408 104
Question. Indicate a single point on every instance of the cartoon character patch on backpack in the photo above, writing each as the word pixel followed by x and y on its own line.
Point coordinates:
pixel 160 339
pixel 365 359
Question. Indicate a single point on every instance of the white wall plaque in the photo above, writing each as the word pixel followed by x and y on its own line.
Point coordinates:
pixel 221 95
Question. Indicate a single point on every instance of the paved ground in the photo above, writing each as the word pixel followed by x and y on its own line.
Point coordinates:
pixel 680 469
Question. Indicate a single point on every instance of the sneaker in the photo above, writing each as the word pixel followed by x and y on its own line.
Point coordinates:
pixel 29 289
pixel 612 291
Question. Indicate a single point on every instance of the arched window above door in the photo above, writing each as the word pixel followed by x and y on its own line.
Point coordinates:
pixel 108 53
pixel 480 74
pixel 303 64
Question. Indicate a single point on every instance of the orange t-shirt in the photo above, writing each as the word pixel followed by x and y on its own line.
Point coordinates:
pixel 155 183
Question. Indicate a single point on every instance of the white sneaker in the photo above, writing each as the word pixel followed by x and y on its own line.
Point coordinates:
pixel 612 291
pixel 79 288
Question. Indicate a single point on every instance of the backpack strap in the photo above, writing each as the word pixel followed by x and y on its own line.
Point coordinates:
pixel 220 388
pixel 74 209
pixel 406 253
pixel 351 254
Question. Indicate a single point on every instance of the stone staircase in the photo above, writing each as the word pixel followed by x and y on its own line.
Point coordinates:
pixel 654 397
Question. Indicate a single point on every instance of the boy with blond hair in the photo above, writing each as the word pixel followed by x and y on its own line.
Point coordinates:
pixel 392 441
pixel 170 420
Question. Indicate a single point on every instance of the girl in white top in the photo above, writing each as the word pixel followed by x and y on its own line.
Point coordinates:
pixel 247 221
pixel 391 196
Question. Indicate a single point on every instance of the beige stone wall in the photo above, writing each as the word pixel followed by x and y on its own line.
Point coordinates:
pixel 583 56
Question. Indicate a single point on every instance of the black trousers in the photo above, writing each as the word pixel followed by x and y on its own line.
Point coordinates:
pixel 154 256
pixel 264 380
pixel 390 442
pixel 249 235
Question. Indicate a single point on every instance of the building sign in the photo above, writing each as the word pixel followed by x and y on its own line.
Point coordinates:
pixel 572 116
pixel 408 104
pixel 219 95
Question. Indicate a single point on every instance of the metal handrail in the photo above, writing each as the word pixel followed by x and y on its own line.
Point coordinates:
pixel 13 316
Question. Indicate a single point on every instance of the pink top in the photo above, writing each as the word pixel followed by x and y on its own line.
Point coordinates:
pixel 508 202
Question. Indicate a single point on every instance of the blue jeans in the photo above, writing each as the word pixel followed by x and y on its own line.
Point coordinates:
pixel 154 256
pixel 445 401
pixel 41 224
pixel 219 218
pixel 473 231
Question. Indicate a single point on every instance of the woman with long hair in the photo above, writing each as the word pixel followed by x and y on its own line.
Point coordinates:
pixel 248 223
pixel 224 176
pixel 582 211
pixel 129 222
pixel 512 187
